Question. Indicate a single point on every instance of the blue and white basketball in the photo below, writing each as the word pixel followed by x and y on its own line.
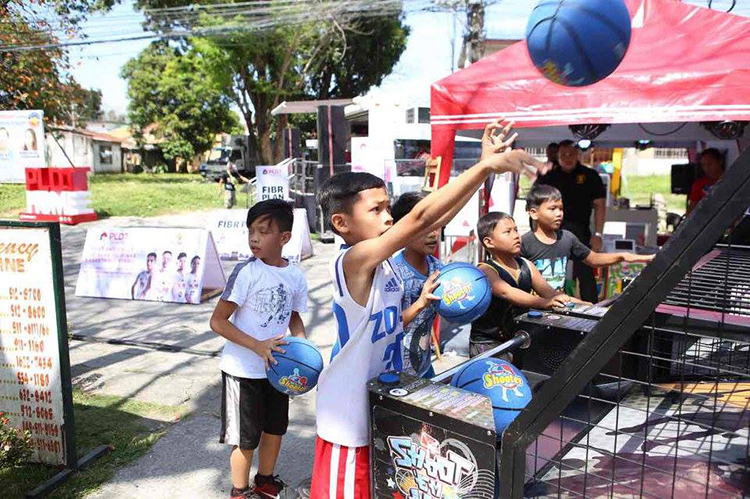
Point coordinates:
pixel 578 42
pixel 464 293
pixel 298 367
pixel 501 381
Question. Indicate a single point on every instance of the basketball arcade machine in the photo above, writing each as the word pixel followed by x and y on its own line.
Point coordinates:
pixel 653 400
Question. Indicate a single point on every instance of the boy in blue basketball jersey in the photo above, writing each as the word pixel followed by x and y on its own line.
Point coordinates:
pixel 418 269
pixel 263 298
pixel 367 302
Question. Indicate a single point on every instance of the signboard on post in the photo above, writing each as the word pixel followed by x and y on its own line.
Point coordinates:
pixel 178 265
pixel 229 231
pixel 272 182
pixel 35 393
pixel 21 144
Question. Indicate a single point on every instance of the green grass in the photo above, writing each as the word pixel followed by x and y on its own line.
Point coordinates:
pixel 146 194
pixel 141 195
pixel 12 200
pixel 130 426
pixel 639 190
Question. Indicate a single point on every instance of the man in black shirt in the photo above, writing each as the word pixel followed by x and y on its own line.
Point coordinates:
pixel 582 192
pixel 553 150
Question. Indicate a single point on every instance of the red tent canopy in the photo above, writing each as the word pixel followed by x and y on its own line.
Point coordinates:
pixel 684 64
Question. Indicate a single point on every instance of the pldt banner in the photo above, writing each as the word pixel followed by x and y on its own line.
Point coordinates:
pixel 229 231
pixel 151 263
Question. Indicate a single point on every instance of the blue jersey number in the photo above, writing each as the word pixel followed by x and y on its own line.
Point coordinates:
pixel 388 318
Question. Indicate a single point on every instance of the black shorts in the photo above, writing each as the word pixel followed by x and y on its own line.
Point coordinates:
pixel 250 407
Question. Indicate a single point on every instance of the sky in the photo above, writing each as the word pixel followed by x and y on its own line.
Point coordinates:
pixel 426 59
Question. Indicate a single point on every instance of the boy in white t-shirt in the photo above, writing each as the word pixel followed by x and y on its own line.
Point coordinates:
pixel 263 297
pixel 367 303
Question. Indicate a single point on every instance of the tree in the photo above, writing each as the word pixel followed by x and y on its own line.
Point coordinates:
pixel 328 55
pixel 40 79
pixel 173 92
pixel 90 105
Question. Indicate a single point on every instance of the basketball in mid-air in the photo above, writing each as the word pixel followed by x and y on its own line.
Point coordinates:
pixel 464 293
pixel 501 381
pixel 297 369
pixel 578 42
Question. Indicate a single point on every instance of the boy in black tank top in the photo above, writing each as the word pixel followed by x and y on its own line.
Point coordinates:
pixel 512 279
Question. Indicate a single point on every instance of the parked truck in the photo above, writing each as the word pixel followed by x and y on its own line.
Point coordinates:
pixel 234 156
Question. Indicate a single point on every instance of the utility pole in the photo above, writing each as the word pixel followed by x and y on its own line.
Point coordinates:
pixel 475 33
pixel 472 48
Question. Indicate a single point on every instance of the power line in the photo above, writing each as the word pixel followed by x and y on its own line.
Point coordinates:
pixel 238 18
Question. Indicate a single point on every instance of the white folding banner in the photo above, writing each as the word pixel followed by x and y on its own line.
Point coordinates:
pixel 229 230
pixel 299 246
pixel 149 263
pixel 21 144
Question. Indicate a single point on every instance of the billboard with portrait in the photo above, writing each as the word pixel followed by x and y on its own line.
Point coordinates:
pixel 21 144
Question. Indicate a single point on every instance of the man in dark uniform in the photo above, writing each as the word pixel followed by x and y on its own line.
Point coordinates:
pixel 583 192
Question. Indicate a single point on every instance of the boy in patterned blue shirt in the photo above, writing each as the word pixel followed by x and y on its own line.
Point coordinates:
pixel 418 268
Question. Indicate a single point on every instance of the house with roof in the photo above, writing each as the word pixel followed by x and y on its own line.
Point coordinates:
pixel 69 146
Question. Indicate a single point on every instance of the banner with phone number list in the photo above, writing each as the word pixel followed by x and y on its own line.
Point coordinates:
pixel 31 385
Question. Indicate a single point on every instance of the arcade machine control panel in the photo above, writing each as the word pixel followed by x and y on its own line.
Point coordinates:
pixel 430 439
pixel 555 334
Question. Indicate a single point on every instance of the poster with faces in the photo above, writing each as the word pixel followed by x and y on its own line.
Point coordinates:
pixel 149 263
pixel 21 144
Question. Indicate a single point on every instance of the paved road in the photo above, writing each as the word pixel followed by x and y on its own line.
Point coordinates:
pixel 188 461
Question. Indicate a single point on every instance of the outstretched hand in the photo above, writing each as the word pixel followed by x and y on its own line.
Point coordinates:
pixel 493 144
pixel 636 258
pixel 497 152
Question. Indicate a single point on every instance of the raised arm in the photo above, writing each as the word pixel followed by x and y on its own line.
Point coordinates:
pixel 443 204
